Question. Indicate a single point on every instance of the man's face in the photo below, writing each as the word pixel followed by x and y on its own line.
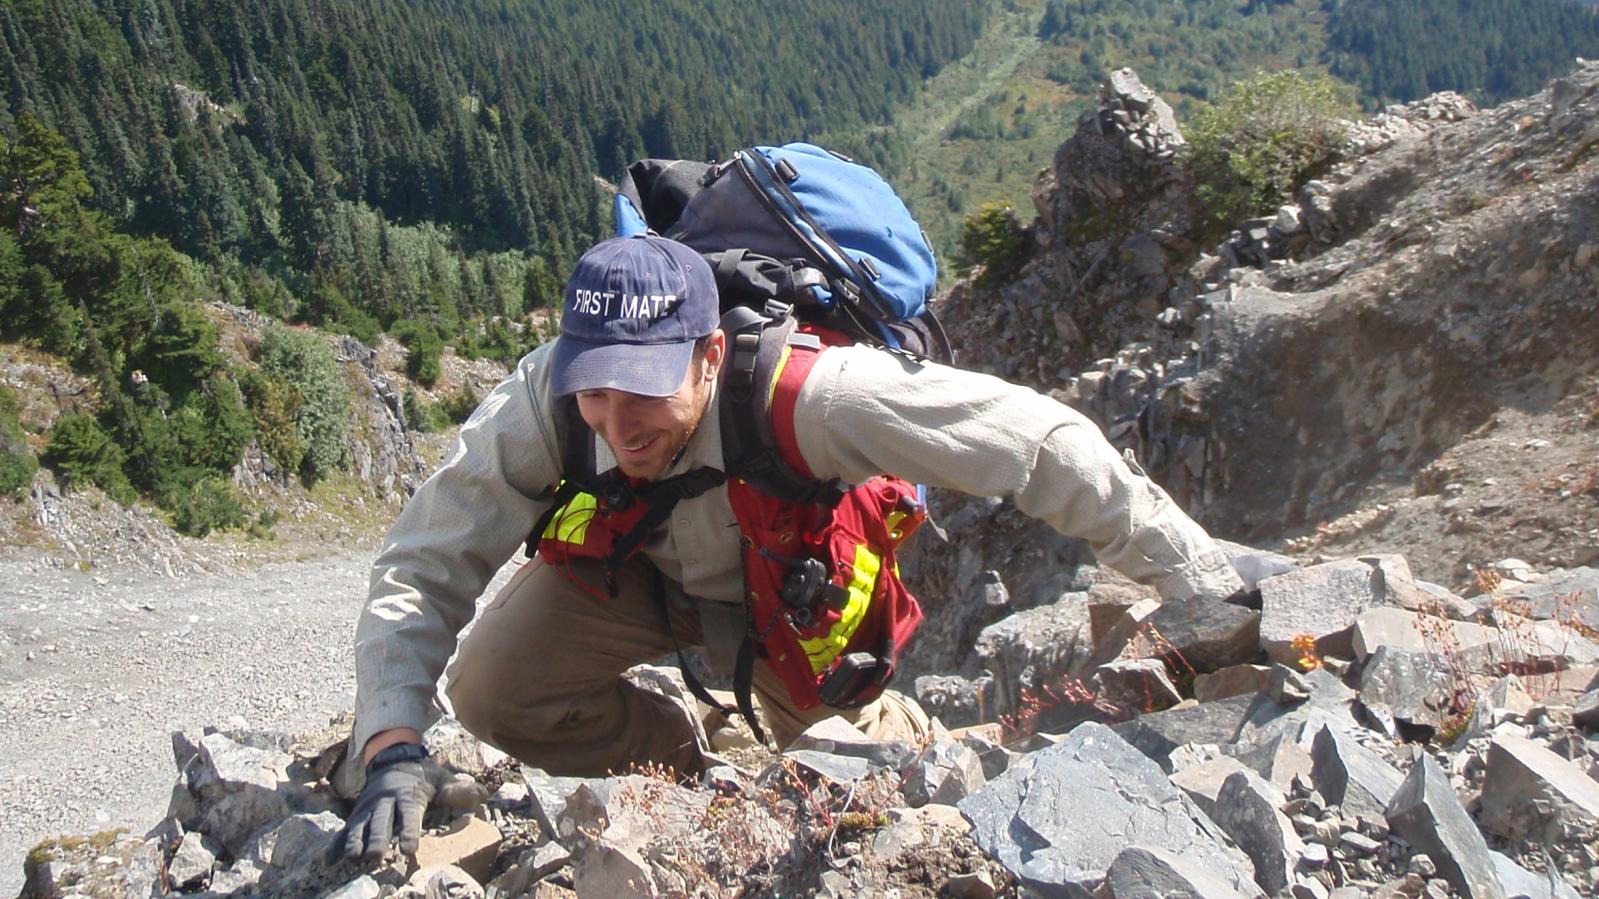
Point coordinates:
pixel 645 433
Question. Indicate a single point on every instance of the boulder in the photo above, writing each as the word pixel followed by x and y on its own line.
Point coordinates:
pixel 1249 809
pixel 1352 776
pixel 1033 649
pixel 1417 688
pixel 1428 815
pixel 237 790
pixel 1140 872
pixel 1204 634
pixel 1060 824
pixel 1407 631
pixel 1530 793
pixel 1203 782
pixel 1134 687
pixel 1320 603
pixel 1234 680
pixel 944 774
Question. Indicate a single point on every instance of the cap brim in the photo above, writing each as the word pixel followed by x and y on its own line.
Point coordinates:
pixel 650 369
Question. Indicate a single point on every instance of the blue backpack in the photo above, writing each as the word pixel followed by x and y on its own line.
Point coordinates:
pixel 802 226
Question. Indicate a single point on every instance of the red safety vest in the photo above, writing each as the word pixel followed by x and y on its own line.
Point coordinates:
pixel 844 649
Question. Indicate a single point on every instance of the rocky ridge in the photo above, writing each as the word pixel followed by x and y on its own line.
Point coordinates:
pixel 1345 731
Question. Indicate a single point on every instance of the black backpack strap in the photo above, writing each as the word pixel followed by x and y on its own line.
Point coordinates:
pixel 755 344
pixel 576 447
pixel 661 497
pixel 743 673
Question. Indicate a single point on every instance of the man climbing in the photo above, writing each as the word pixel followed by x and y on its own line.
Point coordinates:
pixel 642 355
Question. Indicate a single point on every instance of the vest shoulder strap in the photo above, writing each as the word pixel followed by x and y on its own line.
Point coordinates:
pixel 768 359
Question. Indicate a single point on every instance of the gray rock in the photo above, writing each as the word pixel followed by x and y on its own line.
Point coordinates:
pixel 614 871
pixel 944 774
pixel 534 865
pixel 1033 649
pixel 1519 883
pixel 191 864
pixel 994 757
pixel 628 811
pixel 1234 680
pixel 236 790
pixel 1352 776
pixel 1140 872
pixel 1059 825
pixel 837 768
pixel 1279 760
pixel 441 882
pixel 1530 793
pixel 1204 633
pixel 453 747
pixel 1248 809
pixel 1203 782
pixel 1570 591
pixel 294 856
pixel 1134 686
pixel 1402 630
pixel 1217 722
pixel 547 795
pixel 1417 688
pixel 363 887
pixel 1585 711
pixel 1322 601
pixel 835 736
pixel 1428 815
pixel 955 700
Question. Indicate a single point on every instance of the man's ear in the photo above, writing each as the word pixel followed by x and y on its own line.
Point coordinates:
pixel 715 354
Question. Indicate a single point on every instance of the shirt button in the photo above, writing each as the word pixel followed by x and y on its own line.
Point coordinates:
pixel 682 522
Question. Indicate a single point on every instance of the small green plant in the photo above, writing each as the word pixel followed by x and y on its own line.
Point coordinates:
pixel 424 349
pixel 208 504
pixel 421 415
pixel 304 359
pixel 1262 139
pixel 995 241
pixel 17 464
pixel 80 452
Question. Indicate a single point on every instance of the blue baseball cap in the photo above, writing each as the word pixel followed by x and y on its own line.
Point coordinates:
pixel 634 308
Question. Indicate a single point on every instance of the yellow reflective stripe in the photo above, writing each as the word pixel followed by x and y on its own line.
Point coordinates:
pixel 824 649
pixel 571 524
pixel 782 360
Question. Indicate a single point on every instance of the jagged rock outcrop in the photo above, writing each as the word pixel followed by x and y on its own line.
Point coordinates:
pixel 1436 282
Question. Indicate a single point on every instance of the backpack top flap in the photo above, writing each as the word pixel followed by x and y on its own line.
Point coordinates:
pixel 799 201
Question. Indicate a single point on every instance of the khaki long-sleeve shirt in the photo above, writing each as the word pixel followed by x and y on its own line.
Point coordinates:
pixel 862 412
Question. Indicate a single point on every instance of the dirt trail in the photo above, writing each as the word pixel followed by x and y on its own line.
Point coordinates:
pixel 98 668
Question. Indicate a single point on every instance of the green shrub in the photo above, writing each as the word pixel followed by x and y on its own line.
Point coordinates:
pixel 16 473
pixel 425 349
pixel 81 452
pixel 459 405
pixel 1263 139
pixel 17 464
pixel 423 416
pixel 995 241
pixel 304 359
pixel 212 424
pixel 207 504
pixel 274 403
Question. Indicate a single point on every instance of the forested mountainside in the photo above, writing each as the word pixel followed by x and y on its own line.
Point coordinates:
pixel 236 130
pixel 427 168
pixel 1492 50
pixel 430 168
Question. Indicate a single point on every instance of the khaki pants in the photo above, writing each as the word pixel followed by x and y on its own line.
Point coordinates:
pixel 538 676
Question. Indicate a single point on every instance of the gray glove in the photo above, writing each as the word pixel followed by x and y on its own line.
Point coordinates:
pixel 397 792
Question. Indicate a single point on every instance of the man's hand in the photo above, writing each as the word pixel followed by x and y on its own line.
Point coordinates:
pixel 398 788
